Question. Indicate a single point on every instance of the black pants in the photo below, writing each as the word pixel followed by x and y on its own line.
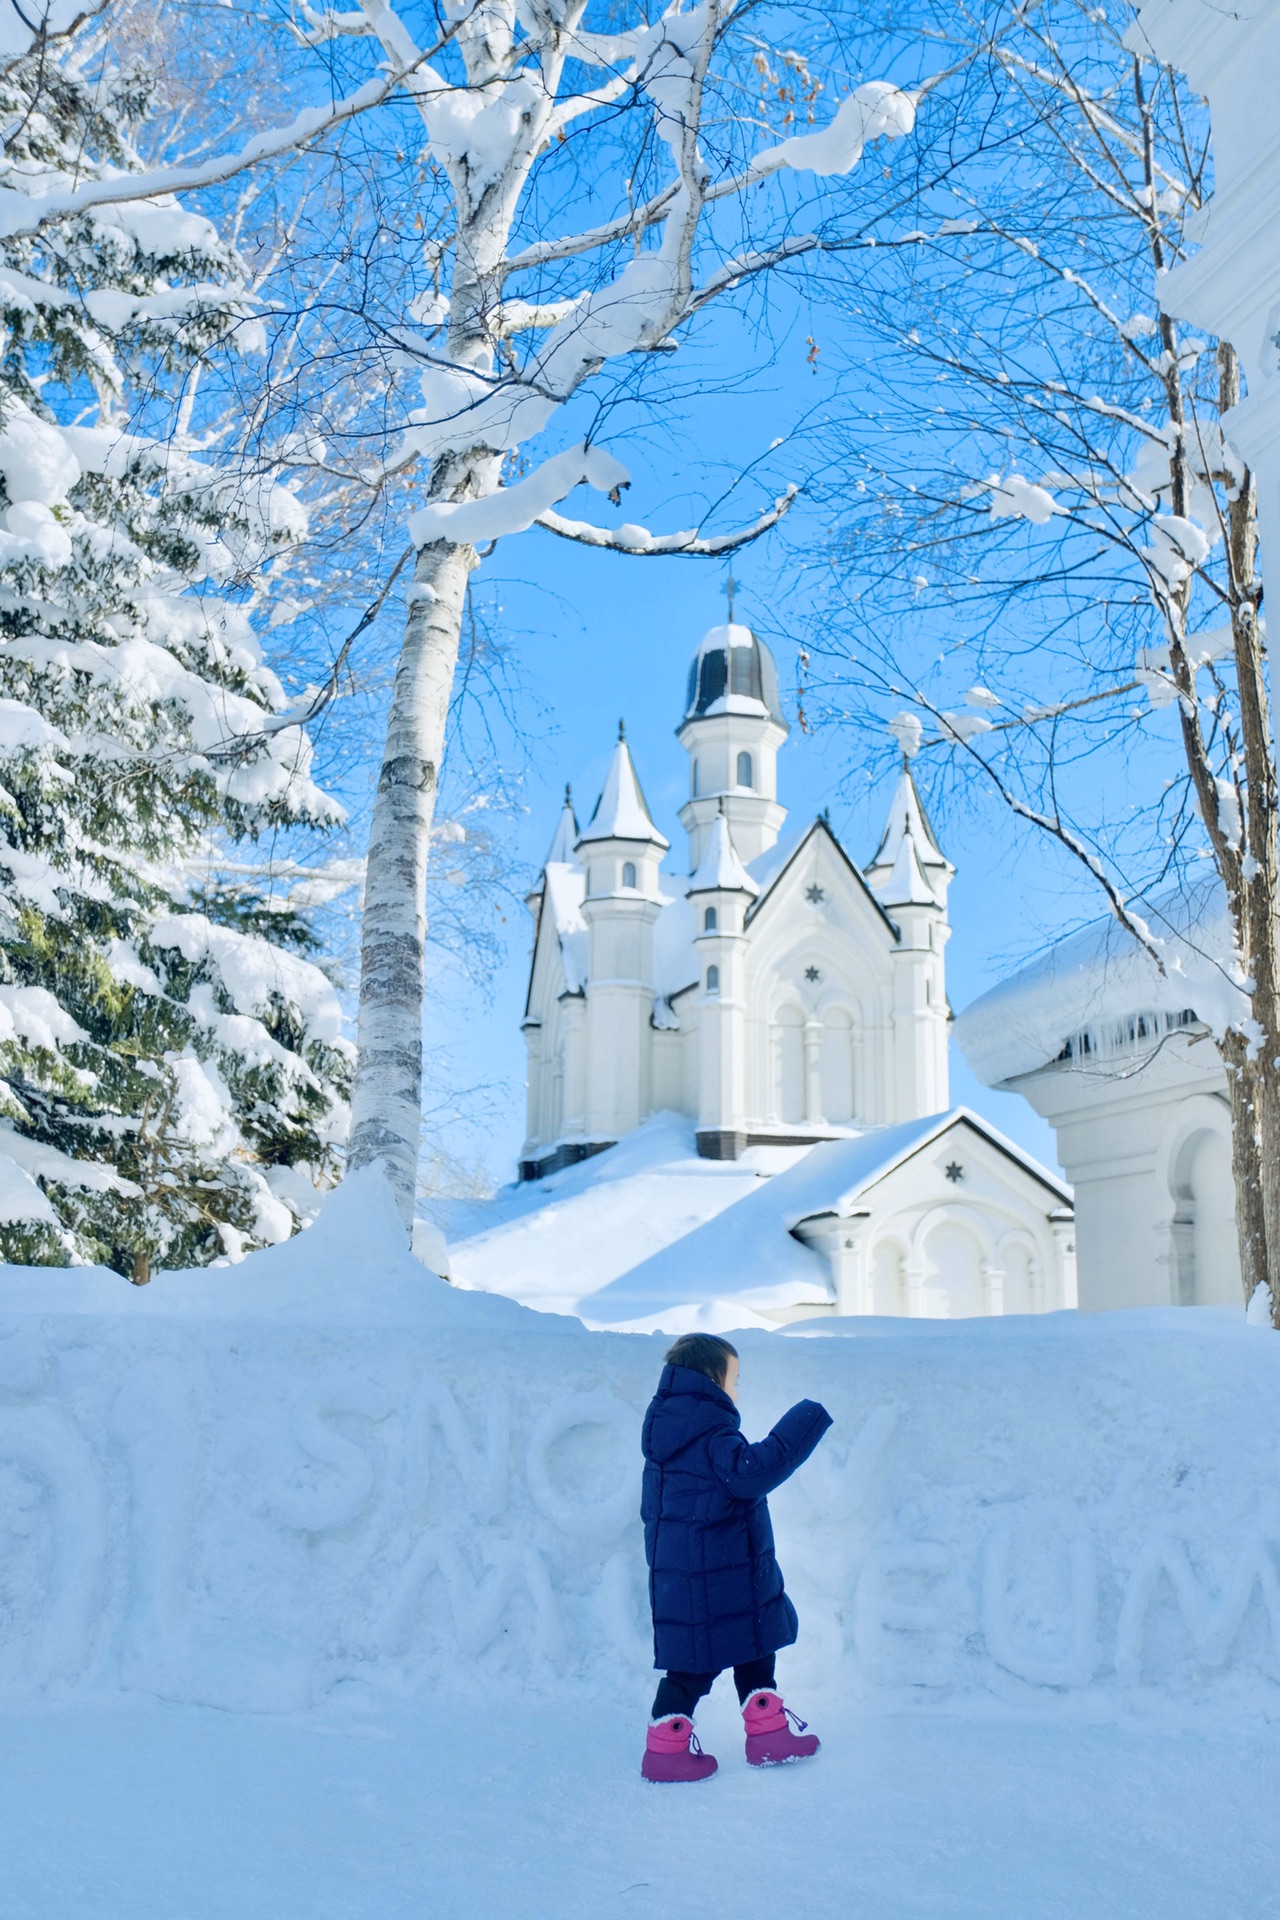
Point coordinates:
pixel 681 1692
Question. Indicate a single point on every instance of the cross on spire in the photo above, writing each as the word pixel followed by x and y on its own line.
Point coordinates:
pixel 728 590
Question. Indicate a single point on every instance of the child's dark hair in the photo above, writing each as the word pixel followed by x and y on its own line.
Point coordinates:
pixel 704 1353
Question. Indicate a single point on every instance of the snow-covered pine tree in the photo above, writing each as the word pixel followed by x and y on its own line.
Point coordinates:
pixel 173 1076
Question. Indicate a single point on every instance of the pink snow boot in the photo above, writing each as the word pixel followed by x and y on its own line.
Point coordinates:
pixel 672 1751
pixel 770 1739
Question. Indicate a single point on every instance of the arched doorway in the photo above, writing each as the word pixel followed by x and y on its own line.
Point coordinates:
pixel 952 1285
pixel 1021 1278
pixel 1205 1249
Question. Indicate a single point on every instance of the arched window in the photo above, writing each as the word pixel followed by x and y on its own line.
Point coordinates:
pixel 713 979
pixel 745 771
pixel 709 920
pixel 695 780
pixel 628 873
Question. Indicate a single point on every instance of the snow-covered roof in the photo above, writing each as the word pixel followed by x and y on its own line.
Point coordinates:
pixel 744 1253
pixel 566 834
pixel 905 885
pixel 621 811
pixel 565 886
pixel 720 869
pixel 733 672
pixel 836 1173
pixel 768 868
pixel 1099 989
pixel 908 821
pixel 675 964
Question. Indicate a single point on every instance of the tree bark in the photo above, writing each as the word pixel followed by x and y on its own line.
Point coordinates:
pixel 1246 1165
pixel 387 1100
pixel 1256 888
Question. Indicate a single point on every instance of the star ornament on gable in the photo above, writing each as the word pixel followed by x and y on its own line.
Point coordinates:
pixel 812 974
pixel 955 1173
pixel 815 895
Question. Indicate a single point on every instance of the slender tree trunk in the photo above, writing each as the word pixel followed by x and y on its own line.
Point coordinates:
pixel 1257 884
pixel 1246 1165
pixel 387 1102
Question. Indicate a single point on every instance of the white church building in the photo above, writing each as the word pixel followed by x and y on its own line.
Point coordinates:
pixel 780 996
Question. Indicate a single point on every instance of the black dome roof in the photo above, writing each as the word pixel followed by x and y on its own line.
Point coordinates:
pixel 733 672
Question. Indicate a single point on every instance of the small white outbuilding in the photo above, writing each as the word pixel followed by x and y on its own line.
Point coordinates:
pixel 1120 1059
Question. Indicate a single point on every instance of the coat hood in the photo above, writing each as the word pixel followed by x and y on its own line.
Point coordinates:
pixel 687 1405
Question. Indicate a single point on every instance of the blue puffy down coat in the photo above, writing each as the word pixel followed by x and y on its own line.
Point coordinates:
pixel 714 1583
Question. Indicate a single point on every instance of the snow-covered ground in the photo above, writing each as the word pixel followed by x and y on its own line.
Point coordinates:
pixel 513 1811
pixel 321 1594
pixel 553 1243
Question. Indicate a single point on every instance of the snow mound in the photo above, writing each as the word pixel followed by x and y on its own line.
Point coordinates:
pixel 325 1474
pixel 553 1243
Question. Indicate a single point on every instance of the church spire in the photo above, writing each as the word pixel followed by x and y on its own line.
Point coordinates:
pixel 566 834
pixel 720 870
pixel 908 824
pixel 622 812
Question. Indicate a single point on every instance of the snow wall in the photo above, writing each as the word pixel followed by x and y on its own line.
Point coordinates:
pixel 325 1473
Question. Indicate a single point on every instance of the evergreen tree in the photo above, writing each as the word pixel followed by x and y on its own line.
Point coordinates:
pixel 173 1076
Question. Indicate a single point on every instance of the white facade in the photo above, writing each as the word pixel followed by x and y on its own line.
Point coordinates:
pixel 773 992
pixel 1115 1057
pixel 777 996
pixel 1231 285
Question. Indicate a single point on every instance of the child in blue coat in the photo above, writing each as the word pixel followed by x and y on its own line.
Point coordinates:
pixel 714 1585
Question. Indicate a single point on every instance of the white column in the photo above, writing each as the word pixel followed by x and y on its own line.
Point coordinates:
pixel 813 1070
pixel 573 1013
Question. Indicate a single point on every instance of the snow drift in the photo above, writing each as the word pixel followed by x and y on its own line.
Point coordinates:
pixel 326 1472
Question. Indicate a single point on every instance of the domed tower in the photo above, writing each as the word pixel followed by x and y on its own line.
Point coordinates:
pixel 731 731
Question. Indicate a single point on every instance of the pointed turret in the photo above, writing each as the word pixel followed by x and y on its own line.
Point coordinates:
pixel 720 870
pixel 905 884
pixel 566 835
pixel 622 812
pixel 909 867
pixel 909 876
pixel 908 820
pixel 621 852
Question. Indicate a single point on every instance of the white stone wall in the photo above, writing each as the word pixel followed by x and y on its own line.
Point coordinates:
pixel 1144 1139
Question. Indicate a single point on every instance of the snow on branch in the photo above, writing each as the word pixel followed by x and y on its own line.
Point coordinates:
pixel 513 509
pixel 876 108
pixel 22 213
pixel 1017 499
pixel 643 544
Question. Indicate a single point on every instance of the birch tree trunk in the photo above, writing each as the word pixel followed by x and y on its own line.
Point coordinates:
pixel 1246 1165
pixel 387 1102
pixel 1258 912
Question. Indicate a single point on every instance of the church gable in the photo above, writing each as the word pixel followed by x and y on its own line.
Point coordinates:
pixel 819 877
pixel 938 1219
